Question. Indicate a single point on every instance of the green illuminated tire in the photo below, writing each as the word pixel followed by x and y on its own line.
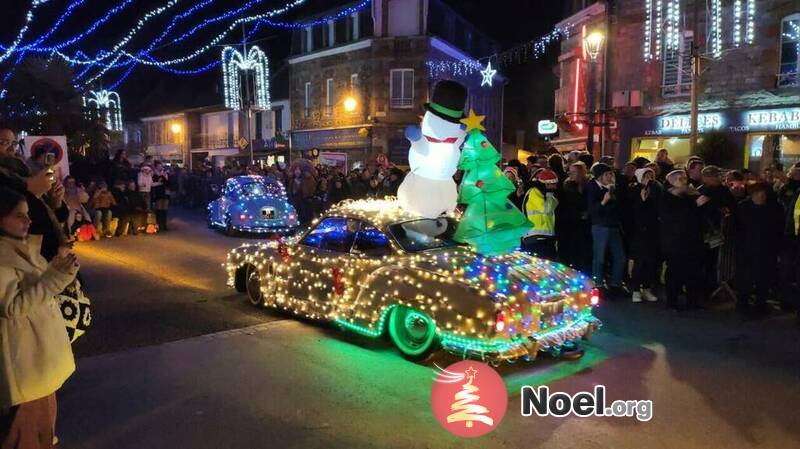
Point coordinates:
pixel 253 286
pixel 413 332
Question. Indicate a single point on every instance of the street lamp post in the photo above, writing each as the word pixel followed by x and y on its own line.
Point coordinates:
pixel 593 44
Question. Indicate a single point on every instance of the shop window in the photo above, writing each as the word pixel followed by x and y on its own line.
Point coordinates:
pixel 790 51
pixel 677 73
pixel 401 88
pixel 766 150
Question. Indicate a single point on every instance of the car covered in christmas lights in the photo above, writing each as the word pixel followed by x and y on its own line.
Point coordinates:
pixel 252 204
pixel 373 268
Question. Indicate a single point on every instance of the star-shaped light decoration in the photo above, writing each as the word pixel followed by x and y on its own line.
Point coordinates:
pixel 488 74
pixel 470 372
pixel 473 121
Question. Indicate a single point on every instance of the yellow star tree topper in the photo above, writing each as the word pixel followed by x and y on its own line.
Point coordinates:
pixel 474 121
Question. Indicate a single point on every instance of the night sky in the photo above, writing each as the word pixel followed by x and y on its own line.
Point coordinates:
pixel 529 95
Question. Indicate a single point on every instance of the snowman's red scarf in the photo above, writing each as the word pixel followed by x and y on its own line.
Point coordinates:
pixel 435 140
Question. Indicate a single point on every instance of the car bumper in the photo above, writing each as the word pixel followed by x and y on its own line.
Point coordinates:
pixel 266 228
pixel 524 347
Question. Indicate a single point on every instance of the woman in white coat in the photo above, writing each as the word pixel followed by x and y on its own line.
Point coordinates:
pixel 36 355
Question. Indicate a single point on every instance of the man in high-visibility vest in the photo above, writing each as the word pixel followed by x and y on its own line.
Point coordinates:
pixel 540 206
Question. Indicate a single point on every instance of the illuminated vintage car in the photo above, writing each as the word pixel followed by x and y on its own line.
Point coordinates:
pixel 372 268
pixel 252 204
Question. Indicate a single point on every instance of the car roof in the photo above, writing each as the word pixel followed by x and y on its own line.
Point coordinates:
pixel 381 212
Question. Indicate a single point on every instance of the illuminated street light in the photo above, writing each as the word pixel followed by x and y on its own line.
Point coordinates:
pixel 594 43
pixel 175 128
pixel 350 104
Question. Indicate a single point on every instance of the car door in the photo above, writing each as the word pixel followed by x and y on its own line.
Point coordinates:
pixel 321 275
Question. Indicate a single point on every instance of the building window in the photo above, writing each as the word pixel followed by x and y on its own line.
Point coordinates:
pixel 309 40
pixel 354 82
pixel 331 34
pixel 677 75
pixel 401 88
pixel 790 51
pixel 356 26
pixel 330 99
pixel 307 100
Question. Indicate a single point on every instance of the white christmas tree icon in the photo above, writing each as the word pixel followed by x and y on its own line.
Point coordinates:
pixel 465 408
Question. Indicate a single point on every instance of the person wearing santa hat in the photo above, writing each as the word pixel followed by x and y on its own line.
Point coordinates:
pixel 540 205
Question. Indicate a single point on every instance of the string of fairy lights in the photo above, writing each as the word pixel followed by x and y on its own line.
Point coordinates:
pixel 662 26
pixel 501 307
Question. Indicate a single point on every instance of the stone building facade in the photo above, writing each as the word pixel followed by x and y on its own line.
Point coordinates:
pixel 358 83
pixel 750 91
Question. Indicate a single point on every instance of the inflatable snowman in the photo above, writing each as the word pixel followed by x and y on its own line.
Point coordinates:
pixel 428 189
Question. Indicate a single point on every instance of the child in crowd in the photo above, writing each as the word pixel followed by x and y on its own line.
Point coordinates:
pixel 102 202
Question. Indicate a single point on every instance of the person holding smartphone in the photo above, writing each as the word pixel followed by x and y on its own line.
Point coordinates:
pixel 605 214
pixel 37 359
pixel 644 248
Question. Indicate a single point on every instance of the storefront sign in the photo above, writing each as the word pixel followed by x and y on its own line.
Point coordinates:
pixel 333 160
pixel 772 119
pixel 547 127
pixel 329 139
pixel 682 124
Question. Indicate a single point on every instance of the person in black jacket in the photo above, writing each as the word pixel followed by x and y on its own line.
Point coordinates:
pixel 573 227
pixel 644 246
pixel 121 209
pixel 759 225
pixel 681 236
pixel 604 212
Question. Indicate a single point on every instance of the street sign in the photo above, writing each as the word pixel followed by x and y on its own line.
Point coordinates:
pixel 242 143
pixel 547 127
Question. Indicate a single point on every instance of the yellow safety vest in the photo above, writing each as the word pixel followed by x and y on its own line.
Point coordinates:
pixel 797 216
pixel 541 211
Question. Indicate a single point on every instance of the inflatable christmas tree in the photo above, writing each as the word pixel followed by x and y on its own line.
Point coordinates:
pixel 491 224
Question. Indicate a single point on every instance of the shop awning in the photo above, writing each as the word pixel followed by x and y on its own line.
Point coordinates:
pixel 218 151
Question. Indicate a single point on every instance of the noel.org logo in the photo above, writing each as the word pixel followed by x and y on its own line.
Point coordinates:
pixel 468 398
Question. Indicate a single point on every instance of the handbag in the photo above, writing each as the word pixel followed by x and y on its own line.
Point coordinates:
pixel 76 308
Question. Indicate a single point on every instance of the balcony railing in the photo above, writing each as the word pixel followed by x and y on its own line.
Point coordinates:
pixel 401 103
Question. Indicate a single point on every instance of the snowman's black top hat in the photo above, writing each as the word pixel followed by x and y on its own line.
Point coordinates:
pixel 449 99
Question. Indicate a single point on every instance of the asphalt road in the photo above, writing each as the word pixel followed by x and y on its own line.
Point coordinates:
pixel 716 380
pixel 151 289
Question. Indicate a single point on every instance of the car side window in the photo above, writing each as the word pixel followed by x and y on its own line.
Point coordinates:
pixel 371 242
pixel 333 234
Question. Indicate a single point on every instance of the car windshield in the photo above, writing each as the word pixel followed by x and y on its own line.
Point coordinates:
pixel 261 188
pixel 424 234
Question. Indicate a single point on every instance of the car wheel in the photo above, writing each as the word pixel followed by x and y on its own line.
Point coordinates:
pixel 413 332
pixel 253 286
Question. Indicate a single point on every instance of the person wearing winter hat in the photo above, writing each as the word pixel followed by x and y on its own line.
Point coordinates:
pixel 681 237
pixel 644 247
pixel 540 206
pixel 604 211
pixel 517 195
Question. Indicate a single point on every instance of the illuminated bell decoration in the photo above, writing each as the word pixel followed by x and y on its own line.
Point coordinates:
pixel 105 104
pixel 233 62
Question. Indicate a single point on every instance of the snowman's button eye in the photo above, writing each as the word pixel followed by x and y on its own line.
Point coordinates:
pixel 485 144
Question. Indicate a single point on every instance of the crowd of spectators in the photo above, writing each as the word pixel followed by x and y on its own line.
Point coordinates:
pixel 707 232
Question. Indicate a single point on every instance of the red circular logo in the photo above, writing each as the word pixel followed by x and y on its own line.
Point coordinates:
pixel 469 398
pixel 48 146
